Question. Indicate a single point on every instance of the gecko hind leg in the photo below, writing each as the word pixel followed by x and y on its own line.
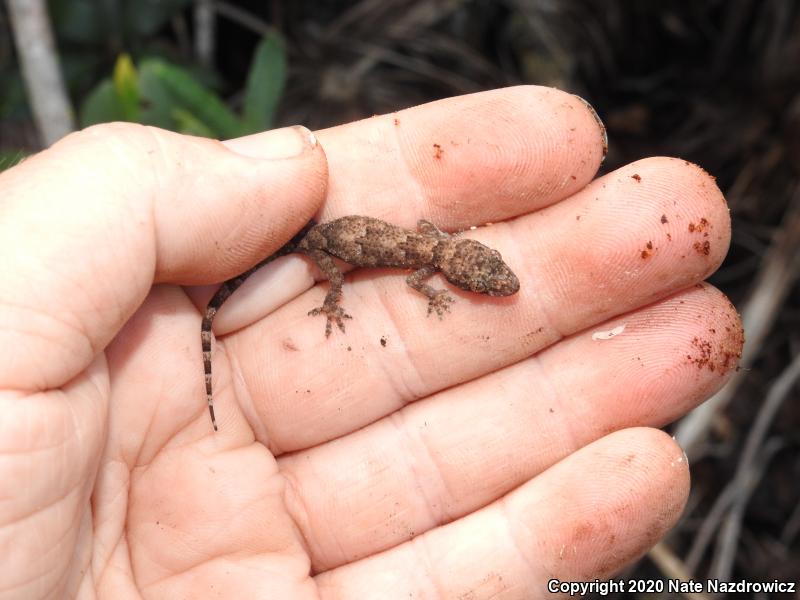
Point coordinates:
pixel 330 307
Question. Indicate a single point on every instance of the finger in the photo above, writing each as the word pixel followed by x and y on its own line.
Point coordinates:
pixel 446 456
pixel 561 525
pixel 580 262
pixel 466 160
pixel 90 223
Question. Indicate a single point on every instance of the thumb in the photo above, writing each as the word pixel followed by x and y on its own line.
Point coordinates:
pixel 87 226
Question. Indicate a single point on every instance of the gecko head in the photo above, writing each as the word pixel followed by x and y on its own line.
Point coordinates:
pixel 476 268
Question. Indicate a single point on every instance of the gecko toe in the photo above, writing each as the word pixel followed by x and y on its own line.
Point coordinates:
pixel 440 303
pixel 333 314
pixel 340 316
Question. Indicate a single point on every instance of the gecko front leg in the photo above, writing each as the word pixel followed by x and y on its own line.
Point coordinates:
pixel 438 300
pixel 330 307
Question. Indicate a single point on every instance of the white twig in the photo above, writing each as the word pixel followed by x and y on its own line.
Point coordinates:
pixel 791 528
pixel 243 17
pixel 729 506
pixel 743 487
pixel 748 472
pixel 204 27
pixel 708 528
pixel 39 65
pixel 672 567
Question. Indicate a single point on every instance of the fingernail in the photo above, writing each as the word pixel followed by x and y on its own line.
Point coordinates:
pixel 600 124
pixel 277 144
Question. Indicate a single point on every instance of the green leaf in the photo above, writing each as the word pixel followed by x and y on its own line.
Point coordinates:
pixel 189 124
pixel 170 87
pixel 265 83
pixel 157 103
pixel 102 105
pixel 126 86
pixel 9 158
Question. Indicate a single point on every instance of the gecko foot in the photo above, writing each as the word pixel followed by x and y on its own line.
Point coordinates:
pixel 440 303
pixel 332 313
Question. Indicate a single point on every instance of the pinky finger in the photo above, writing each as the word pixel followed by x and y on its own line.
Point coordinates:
pixel 584 518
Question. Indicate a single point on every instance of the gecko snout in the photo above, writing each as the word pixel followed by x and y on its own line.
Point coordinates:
pixel 497 279
pixel 503 284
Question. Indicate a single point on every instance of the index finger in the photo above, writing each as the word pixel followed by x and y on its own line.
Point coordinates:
pixel 465 161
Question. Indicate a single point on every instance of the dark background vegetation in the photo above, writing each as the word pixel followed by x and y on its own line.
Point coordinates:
pixel 715 82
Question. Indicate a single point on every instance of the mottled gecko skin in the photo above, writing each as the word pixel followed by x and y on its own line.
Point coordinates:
pixel 369 242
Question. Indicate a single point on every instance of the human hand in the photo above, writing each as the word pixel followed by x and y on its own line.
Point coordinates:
pixel 410 457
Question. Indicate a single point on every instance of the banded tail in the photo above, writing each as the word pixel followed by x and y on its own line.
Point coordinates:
pixel 224 292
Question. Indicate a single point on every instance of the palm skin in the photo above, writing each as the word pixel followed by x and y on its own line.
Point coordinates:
pixel 482 454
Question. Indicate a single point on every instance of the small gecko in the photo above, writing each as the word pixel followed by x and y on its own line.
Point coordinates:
pixel 369 242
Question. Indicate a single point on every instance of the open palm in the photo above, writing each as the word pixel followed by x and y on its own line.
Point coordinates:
pixel 479 456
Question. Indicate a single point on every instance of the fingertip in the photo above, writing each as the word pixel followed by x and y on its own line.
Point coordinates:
pixel 609 502
pixel 277 144
pixel 601 126
pixel 460 161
